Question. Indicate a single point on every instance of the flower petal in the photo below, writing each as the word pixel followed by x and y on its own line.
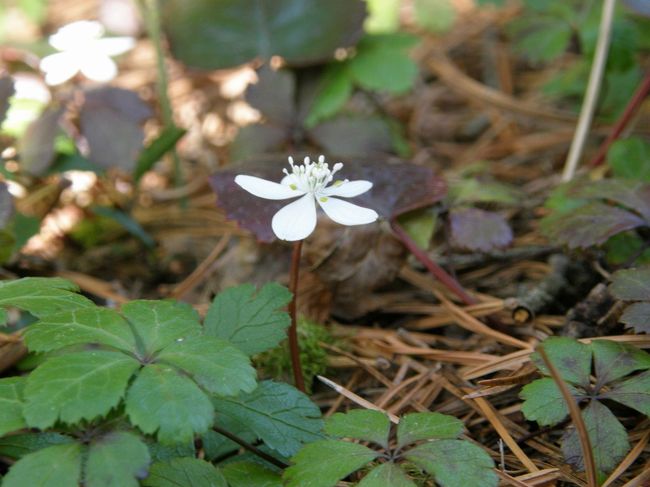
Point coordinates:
pixel 295 221
pixel 266 189
pixel 346 213
pixel 113 46
pixel 98 68
pixel 348 189
pixel 59 67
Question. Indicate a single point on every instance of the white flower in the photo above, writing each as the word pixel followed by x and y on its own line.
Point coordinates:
pixel 297 220
pixel 83 49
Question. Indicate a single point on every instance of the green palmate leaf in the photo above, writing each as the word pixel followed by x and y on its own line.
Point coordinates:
pixel 55 466
pixel 632 284
pixel 215 364
pixel 455 463
pixel 118 459
pixel 333 92
pixel 425 426
pixel 382 63
pixel 608 439
pixel 633 392
pixel 41 295
pixel 543 402
pixel 163 400
pixel 386 474
pixel 159 323
pixel 615 360
pixel 162 453
pixel 630 158
pixel 17 446
pixel 76 386
pixel 277 413
pixel 11 404
pixel 360 424
pixel 86 325
pixel 250 320
pixel 435 15
pixel 185 472
pixel 249 474
pixel 572 359
pixel 323 463
pixel 637 317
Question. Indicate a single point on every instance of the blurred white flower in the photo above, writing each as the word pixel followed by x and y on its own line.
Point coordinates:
pixel 82 49
pixel 297 220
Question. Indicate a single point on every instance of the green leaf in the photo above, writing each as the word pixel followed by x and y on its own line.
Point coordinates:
pixel 637 317
pixel 201 34
pixel 548 41
pixel 477 191
pixel 249 474
pixel 333 92
pixel 360 424
pixel 323 463
pixel 118 459
pixel 163 400
pixel 436 16
pixel 633 392
pixel 615 360
pixel 216 445
pixel 24 227
pixel 543 401
pixel 383 16
pixel 427 426
pixel 162 453
pixel 382 63
pixel 630 158
pixel 250 320
pixel 11 404
pixel 86 325
pixel 631 284
pixel 571 358
pixel 76 386
pixel 17 446
pixel 213 363
pixel 420 225
pixel 386 475
pixel 160 323
pixel 185 472
pixel 126 221
pixel 455 463
pixel 157 149
pixel 630 193
pixel 277 413
pixel 626 247
pixel 608 439
pixel 55 466
pixel 42 295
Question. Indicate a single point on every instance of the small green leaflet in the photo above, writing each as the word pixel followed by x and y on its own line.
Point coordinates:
pixel 630 158
pixel 17 446
pixel 117 459
pixel 185 472
pixel 42 295
pixel 637 317
pixel 543 402
pixel 572 359
pixel 55 466
pixel 425 426
pixel 633 392
pixel 250 320
pixel 360 424
pixel 386 474
pixel 614 360
pixel 249 474
pixel 277 413
pixel 323 463
pixel 11 404
pixel 632 284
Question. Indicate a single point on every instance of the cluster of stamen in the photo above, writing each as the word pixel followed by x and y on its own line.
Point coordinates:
pixel 313 176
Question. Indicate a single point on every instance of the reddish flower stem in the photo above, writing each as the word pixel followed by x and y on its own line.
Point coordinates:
pixel 631 108
pixel 438 272
pixel 294 348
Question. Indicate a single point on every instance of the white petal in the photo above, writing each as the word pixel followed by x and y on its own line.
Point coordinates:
pixel 346 213
pixel 289 179
pixel 266 189
pixel 348 189
pixel 71 35
pixel 99 68
pixel 113 46
pixel 295 221
pixel 59 67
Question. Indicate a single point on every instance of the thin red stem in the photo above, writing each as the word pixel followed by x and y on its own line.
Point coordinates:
pixel 631 108
pixel 438 272
pixel 294 348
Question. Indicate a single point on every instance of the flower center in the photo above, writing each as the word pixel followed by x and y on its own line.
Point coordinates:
pixel 312 177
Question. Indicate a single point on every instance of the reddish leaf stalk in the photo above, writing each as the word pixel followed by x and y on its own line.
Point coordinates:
pixel 294 348
pixel 438 272
pixel 631 108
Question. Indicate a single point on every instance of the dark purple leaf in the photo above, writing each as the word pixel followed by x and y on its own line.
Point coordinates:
pixel 630 193
pixel 273 95
pixel 111 121
pixel 36 147
pixel 637 317
pixel 6 205
pixel 353 136
pixel 397 189
pixel 591 224
pixel 6 92
pixel 631 284
pixel 479 230
pixel 253 140
pixel 214 35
